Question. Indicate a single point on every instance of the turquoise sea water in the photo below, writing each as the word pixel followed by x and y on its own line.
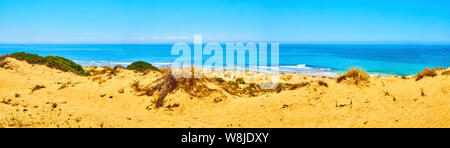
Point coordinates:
pixel 314 59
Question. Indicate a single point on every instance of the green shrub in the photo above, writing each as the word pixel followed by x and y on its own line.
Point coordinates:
pixel 51 61
pixel 322 83
pixel 141 66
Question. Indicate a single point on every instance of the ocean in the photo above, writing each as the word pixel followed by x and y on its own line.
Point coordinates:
pixel 309 59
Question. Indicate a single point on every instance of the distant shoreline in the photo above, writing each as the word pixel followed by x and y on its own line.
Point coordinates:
pixel 330 73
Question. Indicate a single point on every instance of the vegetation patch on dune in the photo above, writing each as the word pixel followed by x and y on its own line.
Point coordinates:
pixel 30 58
pixel 37 87
pixel 233 88
pixel 446 72
pixel 439 68
pixel 51 61
pixel 241 88
pixel 141 66
pixel 354 76
pixel 426 73
pixel 105 70
pixel 3 63
pixel 65 65
pixel 322 83
pixel 195 87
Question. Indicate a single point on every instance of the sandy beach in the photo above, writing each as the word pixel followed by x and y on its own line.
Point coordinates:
pixel 35 95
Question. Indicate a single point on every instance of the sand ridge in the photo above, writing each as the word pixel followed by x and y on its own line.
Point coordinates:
pixel 110 100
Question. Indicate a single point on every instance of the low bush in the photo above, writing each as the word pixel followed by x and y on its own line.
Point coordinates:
pixel 446 72
pixel 141 66
pixel 65 65
pixel 51 61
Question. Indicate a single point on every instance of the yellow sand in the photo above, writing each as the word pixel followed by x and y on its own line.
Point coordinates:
pixel 385 102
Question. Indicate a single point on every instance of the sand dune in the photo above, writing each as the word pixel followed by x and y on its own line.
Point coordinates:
pixel 38 96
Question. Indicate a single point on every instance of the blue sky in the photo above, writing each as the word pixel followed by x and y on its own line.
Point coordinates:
pixel 168 21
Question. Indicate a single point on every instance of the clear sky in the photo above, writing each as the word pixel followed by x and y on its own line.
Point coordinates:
pixel 167 21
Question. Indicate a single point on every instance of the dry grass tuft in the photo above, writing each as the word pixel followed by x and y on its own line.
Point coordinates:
pixel 287 86
pixel 422 93
pixel 106 70
pixel 298 85
pixel 195 87
pixel 37 87
pixel 231 87
pixel 426 73
pixel 3 63
pixel 216 80
pixel 446 72
pixel 253 89
pixel 354 76
pixel 121 91
pixel 116 69
pixel 240 81
pixel 287 77
pixel 64 85
pixel 322 83
pixel 97 78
